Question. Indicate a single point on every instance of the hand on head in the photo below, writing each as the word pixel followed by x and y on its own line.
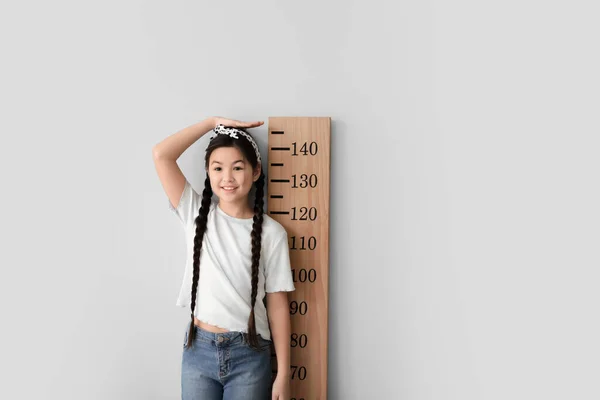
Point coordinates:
pixel 237 124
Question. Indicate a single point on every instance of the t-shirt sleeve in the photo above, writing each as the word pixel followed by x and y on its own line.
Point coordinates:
pixel 189 204
pixel 278 270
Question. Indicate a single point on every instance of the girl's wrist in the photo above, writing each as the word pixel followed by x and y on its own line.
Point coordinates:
pixel 283 374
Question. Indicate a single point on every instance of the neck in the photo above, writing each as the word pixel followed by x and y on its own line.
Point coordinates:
pixel 236 210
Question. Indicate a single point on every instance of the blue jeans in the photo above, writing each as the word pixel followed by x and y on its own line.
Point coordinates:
pixel 223 366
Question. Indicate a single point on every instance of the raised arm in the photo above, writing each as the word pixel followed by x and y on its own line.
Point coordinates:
pixel 166 153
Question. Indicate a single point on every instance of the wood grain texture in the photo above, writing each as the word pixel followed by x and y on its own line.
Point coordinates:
pixel 309 363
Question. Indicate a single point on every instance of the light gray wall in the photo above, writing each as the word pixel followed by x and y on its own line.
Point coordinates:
pixel 464 195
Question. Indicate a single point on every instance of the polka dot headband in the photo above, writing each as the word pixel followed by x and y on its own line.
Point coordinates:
pixel 221 130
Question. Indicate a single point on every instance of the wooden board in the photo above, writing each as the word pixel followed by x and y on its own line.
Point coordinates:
pixel 298 198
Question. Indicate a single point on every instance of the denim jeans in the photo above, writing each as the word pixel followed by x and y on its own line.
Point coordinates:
pixel 224 366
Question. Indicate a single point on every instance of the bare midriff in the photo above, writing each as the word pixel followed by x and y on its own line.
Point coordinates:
pixel 208 327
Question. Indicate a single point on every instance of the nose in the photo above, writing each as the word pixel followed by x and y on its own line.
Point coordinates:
pixel 227 176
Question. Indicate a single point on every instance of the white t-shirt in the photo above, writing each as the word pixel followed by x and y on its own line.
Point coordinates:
pixel 224 284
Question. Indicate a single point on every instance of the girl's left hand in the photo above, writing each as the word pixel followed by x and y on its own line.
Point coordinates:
pixel 281 388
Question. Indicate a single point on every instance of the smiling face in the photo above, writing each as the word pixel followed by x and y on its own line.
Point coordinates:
pixel 231 175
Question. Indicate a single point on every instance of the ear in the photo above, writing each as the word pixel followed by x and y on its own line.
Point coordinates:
pixel 256 173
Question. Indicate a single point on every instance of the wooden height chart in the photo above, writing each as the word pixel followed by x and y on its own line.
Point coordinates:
pixel 298 198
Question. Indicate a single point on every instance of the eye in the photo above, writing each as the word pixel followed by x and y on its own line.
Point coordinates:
pixel 217 168
pixel 238 168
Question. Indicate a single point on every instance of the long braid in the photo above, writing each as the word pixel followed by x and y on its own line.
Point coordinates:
pixel 200 229
pixel 256 246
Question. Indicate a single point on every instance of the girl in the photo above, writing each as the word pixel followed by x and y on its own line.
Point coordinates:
pixel 235 255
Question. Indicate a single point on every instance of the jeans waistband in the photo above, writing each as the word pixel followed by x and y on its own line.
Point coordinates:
pixel 225 337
